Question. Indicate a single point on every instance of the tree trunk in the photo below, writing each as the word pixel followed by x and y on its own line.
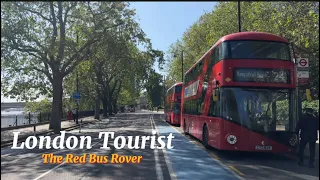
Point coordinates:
pixel 110 108
pixel 105 107
pixel 114 104
pixel 97 109
pixel 55 121
pixel 61 103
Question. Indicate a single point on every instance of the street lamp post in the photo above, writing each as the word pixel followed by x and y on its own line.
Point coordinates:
pixel 182 66
pixel 77 121
pixel 77 111
pixel 239 17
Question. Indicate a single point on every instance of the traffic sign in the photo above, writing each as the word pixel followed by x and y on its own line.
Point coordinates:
pixel 303 62
pixel 303 74
pixel 76 95
pixel 302 71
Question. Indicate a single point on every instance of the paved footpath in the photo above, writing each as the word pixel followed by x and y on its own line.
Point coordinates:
pixel 26 131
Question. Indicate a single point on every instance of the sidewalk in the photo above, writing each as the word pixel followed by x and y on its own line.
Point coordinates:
pixel 40 129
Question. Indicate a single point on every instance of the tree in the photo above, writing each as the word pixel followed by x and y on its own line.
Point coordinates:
pixel 47 40
pixel 154 88
pixel 43 106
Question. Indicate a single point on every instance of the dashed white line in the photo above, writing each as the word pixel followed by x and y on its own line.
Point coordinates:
pixel 156 157
pixel 172 174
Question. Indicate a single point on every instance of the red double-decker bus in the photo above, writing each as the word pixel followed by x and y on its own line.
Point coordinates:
pixel 173 104
pixel 240 95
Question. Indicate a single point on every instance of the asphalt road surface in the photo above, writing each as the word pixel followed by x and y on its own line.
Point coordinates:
pixel 187 160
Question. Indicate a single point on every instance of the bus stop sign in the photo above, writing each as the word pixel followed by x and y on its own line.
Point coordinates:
pixel 302 71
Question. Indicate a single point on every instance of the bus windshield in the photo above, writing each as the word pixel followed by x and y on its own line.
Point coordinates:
pixel 176 108
pixel 260 110
pixel 177 89
pixel 249 49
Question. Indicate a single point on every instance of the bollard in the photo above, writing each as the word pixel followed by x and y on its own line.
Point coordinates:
pixel 16 120
pixel 80 127
pixel 34 130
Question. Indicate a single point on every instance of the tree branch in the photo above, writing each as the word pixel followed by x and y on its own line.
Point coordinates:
pixel 54 33
pixel 32 11
pixel 64 69
pixel 46 72
pixel 73 4
pixel 62 34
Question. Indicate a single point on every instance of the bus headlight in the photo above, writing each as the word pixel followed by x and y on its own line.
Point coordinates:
pixel 232 139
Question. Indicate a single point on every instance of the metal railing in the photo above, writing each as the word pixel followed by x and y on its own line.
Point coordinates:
pixel 35 118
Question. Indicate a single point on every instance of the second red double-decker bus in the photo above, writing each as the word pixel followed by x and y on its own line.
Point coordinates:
pixel 173 104
pixel 240 95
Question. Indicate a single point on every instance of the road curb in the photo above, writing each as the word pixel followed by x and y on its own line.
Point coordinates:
pixel 9 142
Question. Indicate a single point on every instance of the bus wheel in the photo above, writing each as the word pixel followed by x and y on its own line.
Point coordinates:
pixel 205 136
pixel 185 127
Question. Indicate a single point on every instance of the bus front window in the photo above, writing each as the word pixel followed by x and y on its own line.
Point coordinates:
pixel 249 49
pixel 260 110
pixel 176 108
pixel 178 89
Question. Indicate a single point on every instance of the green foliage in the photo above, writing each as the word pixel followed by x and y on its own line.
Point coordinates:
pixel 43 106
pixel 313 104
pixel 154 89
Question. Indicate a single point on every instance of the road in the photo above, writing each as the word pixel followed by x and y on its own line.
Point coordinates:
pixel 187 160
pixel 261 166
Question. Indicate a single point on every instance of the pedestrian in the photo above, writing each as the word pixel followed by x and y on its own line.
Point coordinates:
pixel 69 115
pixel 74 114
pixel 308 126
pixel 77 116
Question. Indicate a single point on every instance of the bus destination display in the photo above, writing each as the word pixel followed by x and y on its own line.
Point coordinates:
pixel 262 75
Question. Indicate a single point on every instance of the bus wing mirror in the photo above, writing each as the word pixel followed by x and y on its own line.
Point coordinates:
pixel 215 98
pixel 215 95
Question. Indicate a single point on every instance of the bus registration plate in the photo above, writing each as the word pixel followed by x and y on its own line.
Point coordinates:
pixel 269 148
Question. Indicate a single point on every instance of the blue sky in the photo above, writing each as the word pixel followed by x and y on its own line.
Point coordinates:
pixel 165 22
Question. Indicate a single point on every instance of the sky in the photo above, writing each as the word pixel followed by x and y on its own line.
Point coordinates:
pixel 164 22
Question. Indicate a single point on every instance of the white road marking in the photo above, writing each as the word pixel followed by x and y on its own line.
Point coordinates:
pixel 173 175
pixel 156 157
